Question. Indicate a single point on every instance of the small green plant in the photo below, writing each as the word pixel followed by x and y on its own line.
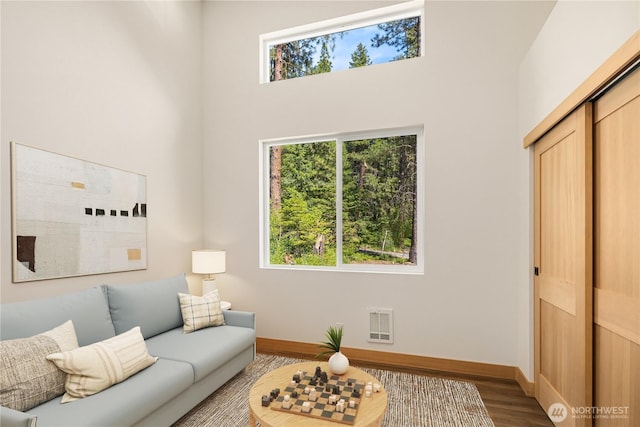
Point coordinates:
pixel 332 345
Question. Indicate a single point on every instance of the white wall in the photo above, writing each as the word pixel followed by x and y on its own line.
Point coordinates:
pixel 463 91
pixel 576 39
pixel 118 83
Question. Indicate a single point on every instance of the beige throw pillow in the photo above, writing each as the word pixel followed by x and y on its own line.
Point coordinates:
pixel 200 312
pixel 27 378
pixel 64 335
pixel 98 366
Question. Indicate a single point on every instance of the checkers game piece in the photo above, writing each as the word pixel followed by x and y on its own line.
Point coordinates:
pixel 350 390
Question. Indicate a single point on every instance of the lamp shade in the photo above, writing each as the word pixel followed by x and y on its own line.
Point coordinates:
pixel 208 261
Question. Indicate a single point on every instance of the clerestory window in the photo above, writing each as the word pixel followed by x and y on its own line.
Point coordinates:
pixel 350 202
pixel 382 35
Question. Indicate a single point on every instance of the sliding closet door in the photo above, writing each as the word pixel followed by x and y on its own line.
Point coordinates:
pixel 617 254
pixel 563 282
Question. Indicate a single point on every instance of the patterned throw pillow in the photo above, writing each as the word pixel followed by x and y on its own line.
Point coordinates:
pixel 98 366
pixel 27 378
pixel 200 312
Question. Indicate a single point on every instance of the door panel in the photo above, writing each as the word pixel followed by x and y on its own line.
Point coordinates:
pixel 563 252
pixel 617 253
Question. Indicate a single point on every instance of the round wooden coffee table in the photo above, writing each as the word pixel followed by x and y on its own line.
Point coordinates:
pixel 370 413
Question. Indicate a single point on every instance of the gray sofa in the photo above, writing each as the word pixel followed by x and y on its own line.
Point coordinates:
pixel 190 366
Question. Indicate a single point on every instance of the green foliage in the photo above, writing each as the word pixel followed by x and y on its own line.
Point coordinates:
pixel 308 205
pixel 403 34
pixel 324 64
pixel 360 57
pixel 378 197
pixel 295 57
pixel 352 256
pixel 334 340
pixel 311 259
pixel 379 185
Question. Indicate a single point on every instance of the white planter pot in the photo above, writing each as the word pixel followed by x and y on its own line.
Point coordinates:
pixel 338 363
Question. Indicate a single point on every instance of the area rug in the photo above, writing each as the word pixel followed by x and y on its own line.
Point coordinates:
pixel 414 400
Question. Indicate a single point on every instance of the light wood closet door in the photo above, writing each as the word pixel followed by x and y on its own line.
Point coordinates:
pixel 617 253
pixel 563 284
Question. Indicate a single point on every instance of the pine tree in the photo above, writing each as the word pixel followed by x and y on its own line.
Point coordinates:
pixel 360 57
pixel 288 60
pixel 293 59
pixel 403 34
pixel 324 63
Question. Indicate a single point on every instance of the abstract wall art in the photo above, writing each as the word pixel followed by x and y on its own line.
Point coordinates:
pixel 73 217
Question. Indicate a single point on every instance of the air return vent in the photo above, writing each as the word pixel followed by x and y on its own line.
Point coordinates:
pixel 381 325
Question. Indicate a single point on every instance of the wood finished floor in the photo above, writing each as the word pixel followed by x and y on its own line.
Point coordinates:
pixel 507 404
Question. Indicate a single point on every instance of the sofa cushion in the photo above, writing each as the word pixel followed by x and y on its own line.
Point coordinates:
pixel 206 349
pixel 98 366
pixel 87 309
pixel 151 305
pixel 27 378
pixel 200 312
pixel 124 404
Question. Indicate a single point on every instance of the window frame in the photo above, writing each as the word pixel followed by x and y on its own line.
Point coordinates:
pixel 340 138
pixel 404 10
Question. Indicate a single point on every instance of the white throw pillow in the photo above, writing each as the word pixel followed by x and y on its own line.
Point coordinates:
pixel 98 366
pixel 200 312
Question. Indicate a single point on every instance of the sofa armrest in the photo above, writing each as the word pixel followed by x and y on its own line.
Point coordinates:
pixel 12 418
pixel 245 319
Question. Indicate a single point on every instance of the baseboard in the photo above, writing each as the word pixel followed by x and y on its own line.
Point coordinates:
pixel 399 361
pixel 527 386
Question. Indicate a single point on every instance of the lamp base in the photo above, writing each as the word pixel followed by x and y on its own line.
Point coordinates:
pixel 208 285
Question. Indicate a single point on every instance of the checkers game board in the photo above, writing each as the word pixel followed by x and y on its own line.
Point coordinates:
pixel 321 408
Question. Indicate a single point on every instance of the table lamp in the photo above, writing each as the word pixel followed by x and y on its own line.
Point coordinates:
pixel 210 262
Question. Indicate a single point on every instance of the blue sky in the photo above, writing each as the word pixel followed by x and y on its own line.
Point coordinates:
pixel 345 45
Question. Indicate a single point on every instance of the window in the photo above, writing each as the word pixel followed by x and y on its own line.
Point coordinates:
pixel 343 202
pixel 377 36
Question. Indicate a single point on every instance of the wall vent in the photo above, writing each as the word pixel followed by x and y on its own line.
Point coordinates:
pixel 381 325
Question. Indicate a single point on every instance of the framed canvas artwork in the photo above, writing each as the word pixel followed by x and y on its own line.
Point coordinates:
pixel 73 217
